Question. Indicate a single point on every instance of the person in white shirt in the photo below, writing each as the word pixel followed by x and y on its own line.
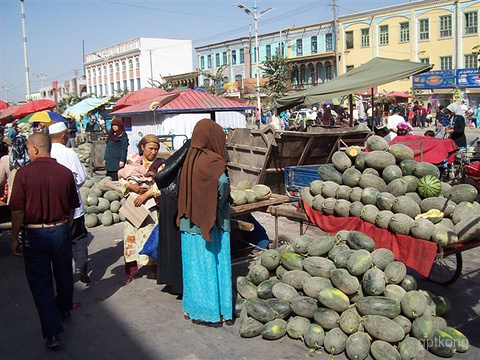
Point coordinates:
pixel 392 123
pixel 58 133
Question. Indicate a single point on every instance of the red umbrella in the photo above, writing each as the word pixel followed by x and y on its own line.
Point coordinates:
pixel 33 106
pixel 3 105
pixel 400 94
pixel 6 115
pixel 138 97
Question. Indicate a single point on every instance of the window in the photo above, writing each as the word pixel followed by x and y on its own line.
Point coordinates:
pixel 234 57
pixel 138 84
pixel 124 66
pixel 424 32
pixel 110 69
pixel 365 38
pixel 404 32
pixel 224 58
pixel 137 64
pixel 202 62
pixel 242 56
pixel 350 67
pixel 445 26
pixel 425 60
pixel 117 67
pixel 209 61
pixel 383 35
pixel 299 47
pixel 206 82
pixel 217 59
pixel 471 23
pixel 94 71
pixel 329 42
pixel 268 50
pixel 282 48
pixel 328 72
pixel 132 84
pixel 470 61
pixel 112 88
pixel 130 64
pixel 445 63
pixel 118 85
pixel 124 84
pixel 254 55
pixel 313 40
pixel 349 39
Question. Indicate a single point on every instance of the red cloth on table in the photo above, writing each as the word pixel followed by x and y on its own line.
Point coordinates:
pixel 435 150
pixel 415 253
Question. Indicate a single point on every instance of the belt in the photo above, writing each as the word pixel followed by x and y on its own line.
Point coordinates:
pixel 39 226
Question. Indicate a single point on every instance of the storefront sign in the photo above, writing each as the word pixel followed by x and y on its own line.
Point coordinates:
pixel 457 95
pixel 231 87
pixel 468 77
pixel 435 79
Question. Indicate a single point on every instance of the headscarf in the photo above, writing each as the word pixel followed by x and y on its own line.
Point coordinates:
pixel 203 166
pixel 455 108
pixel 145 140
pixel 403 125
pixel 115 136
pixel 18 154
pixel 327 115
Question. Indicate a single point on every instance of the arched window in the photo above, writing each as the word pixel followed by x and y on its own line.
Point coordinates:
pixel 117 67
pixel 303 74
pixel 94 72
pixel 110 68
pixel 328 71
pixel 295 76
pixel 137 63
pixel 311 74
pixel 130 64
pixel 124 66
pixel 320 77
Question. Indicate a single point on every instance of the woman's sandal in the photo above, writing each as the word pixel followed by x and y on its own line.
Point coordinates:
pixel 185 316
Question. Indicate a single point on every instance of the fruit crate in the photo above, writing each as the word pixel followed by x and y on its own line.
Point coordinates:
pixel 297 177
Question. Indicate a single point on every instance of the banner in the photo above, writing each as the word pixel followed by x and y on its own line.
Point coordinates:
pixel 435 79
pixel 231 87
pixel 468 77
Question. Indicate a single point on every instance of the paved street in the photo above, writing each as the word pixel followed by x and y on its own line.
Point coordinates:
pixel 141 321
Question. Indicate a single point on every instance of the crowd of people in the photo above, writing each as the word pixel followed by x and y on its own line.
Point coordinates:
pixel 187 231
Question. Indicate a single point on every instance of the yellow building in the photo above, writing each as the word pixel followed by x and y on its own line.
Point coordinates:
pixel 440 32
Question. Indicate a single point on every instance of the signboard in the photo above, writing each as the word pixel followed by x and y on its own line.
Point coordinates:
pixel 468 77
pixel 435 79
pixel 231 87
pixel 457 95
pixel 250 85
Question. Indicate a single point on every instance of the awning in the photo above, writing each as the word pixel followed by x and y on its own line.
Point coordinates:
pixel 86 105
pixel 378 71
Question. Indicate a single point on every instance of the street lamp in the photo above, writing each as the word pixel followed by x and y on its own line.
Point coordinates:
pixel 255 16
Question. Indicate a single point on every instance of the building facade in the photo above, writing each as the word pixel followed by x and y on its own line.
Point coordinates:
pixel 57 91
pixel 135 64
pixel 310 50
pixel 439 32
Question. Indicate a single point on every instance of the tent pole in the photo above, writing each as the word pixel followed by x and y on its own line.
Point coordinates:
pixel 350 100
pixel 373 110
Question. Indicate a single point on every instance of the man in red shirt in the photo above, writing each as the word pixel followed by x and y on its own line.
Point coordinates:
pixel 43 200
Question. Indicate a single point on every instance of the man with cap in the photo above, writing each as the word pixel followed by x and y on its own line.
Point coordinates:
pixel 43 200
pixel 59 136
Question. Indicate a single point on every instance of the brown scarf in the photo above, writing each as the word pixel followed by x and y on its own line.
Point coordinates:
pixel 198 189
pixel 115 136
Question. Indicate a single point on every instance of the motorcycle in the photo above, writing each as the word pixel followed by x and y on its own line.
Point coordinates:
pixel 466 165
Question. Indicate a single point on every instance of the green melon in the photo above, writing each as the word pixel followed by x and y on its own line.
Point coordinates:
pixel 401 152
pixel 415 197
pixel 351 177
pixel 385 201
pixel 259 309
pixel 329 206
pixel 103 204
pixel 251 196
pixel 244 185
pixel 369 213
pixel 408 166
pixel 395 272
pixel 316 187
pixel 382 350
pixel 343 192
pixel 314 337
pixel 297 326
pixel 356 208
pixel 369 195
pixel 429 186
pixel 270 259
pixel 263 191
pixel 314 284
pixel 329 189
pixel 258 274
pixel 400 224
pixel 397 187
pixel 383 328
pixel 107 218
pixel 342 208
pixel 376 142
pixel 383 219
pixel 411 348
pixel 356 194
pixel 379 160
pixel 335 341
pixel 317 202
pixel 414 304
pixel 304 306
pixel 116 218
pixel 115 206
pixel 391 172
pixel 422 229
pixel 91 220
pixel 353 151
pixel 306 195
pixel 412 182
pixel 111 196
pixel 296 278
pixel 382 257
pixel 341 161
pixel 300 244
pixel 92 199
pixel 405 205
pixel 359 262
pixel 349 321
pixel 328 172
pixel 369 180
pixel 374 282
pixel 371 171
pixel 326 318
pixel 424 168
pixel 462 211
pixel 360 161
pixel 462 192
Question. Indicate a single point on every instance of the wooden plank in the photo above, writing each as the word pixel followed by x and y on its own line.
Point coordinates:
pixel 247 147
pixel 275 199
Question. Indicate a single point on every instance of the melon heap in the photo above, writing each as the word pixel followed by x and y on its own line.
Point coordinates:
pixel 245 193
pixel 83 151
pixel 101 204
pixel 340 294
pixel 386 187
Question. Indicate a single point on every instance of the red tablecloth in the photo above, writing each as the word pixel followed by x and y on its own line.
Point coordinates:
pixel 435 150
pixel 415 253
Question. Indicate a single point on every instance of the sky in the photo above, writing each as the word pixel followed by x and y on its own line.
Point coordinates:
pixel 58 30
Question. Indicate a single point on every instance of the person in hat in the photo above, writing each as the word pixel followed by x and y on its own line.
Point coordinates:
pixel 59 135
pixel 47 248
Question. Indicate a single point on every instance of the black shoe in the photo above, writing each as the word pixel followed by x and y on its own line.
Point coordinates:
pixel 65 316
pixel 82 276
pixel 52 342
pixel 209 324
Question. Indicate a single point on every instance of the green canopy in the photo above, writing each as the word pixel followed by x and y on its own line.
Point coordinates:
pixel 377 71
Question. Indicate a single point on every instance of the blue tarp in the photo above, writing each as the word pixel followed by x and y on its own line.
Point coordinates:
pixel 86 105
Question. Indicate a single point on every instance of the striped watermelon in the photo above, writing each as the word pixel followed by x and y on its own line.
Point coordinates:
pixel 429 186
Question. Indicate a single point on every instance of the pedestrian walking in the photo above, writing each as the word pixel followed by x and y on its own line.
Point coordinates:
pixel 204 220
pixel 47 247
pixel 116 149
pixel 72 132
pixel 60 135
pixel 457 132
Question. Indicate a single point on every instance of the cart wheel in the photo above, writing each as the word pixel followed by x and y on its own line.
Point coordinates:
pixel 447 270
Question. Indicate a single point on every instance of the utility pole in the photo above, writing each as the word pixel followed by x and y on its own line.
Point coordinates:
pixel 151 67
pixel 6 88
pixel 41 77
pixel 335 29
pixel 27 77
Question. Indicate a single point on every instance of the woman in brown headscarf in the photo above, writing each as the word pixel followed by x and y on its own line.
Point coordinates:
pixel 328 119
pixel 116 149
pixel 204 219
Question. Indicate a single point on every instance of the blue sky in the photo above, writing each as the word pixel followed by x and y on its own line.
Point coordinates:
pixel 57 29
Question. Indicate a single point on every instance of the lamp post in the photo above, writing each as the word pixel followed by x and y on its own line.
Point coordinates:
pixel 255 16
pixel 27 75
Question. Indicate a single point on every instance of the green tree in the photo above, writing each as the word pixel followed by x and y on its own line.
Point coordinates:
pixel 216 79
pixel 276 70
pixel 120 92
pixel 66 102
pixel 166 85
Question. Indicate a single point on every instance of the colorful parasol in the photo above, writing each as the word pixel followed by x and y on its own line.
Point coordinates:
pixel 6 115
pixel 45 117
pixel 33 106
pixel 3 105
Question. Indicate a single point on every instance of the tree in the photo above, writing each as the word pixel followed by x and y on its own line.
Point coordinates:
pixel 167 85
pixel 276 70
pixel 218 80
pixel 121 92
pixel 68 101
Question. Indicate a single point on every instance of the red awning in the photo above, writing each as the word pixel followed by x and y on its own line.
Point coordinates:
pixel 137 97
pixel 400 94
